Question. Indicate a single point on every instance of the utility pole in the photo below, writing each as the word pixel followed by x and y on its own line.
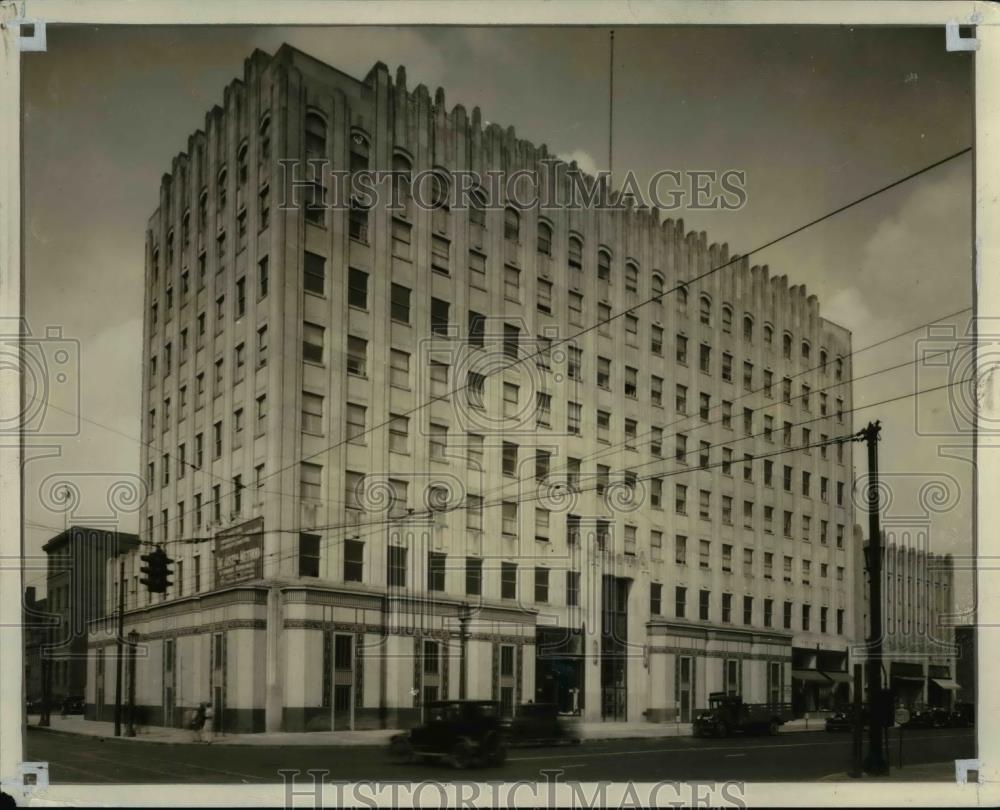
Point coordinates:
pixel 463 618
pixel 875 762
pixel 118 643
pixel 133 640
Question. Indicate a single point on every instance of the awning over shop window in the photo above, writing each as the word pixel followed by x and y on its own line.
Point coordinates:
pixel 946 683
pixel 811 676
pixel 907 678
pixel 838 677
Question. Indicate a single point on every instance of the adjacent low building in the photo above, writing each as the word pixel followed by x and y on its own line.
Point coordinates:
pixel 620 524
pixel 919 653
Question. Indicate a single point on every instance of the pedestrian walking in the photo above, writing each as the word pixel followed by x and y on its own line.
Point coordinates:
pixel 198 721
pixel 208 728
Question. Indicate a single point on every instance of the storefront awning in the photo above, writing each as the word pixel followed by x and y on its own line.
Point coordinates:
pixel 838 677
pixel 946 683
pixel 912 678
pixel 810 676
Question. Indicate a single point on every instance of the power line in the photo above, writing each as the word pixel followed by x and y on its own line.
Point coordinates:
pixel 577 490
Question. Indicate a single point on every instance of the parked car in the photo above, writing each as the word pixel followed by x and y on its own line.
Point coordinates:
pixel 463 732
pixel 843 719
pixel 728 714
pixel 541 724
pixel 73 704
pixel 929 717
pixel 963 715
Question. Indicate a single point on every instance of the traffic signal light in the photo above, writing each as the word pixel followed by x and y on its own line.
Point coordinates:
pixel 156 572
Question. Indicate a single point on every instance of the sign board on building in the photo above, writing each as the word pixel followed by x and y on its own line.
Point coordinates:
pixel 239 553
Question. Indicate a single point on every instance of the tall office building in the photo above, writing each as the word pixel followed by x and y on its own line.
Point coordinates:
pixel 386 479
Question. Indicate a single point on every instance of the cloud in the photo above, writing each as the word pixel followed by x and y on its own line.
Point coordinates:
pixel 584 160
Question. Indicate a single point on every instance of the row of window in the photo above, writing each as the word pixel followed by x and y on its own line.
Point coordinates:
pixel 437 567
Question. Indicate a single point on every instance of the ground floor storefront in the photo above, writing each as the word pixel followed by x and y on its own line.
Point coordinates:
pixel 293 657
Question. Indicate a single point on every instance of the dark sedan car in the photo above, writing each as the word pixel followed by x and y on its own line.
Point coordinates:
pixel 73 704
pixel 542 724
pixel 929 717
pixel 462 732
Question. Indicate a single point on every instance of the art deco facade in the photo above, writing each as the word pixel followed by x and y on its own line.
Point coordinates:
pixel 623 521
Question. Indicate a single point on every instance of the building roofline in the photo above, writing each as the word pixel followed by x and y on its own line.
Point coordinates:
pixel 64 536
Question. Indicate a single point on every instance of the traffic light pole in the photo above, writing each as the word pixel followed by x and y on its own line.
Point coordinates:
pixel 118 644
pixel 875 762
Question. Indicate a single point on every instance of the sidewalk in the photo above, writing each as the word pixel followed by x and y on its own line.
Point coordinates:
pixel 927 772
pixel 159 734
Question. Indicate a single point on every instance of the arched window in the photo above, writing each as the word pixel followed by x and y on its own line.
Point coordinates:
pixel 747 328
pixel 439 190
pixel 727 318
pixel 401 181
pixel 222 180
pixel 544 238
pixel 315 136
pixel 186 228
pixel 657 284
pixel 806 350
pixel 705 310
pixel 170 249
pixel 242 171
pixel 358 222
pixel 604 266
pixel 359 151
pixel 575 253
pixel 786 345
pixel 511 224
pixel 768 334
pixel 839 370
pixel 823 359
pixel 631 277
pixel 682 299
pixel 203 209
pixel 264 141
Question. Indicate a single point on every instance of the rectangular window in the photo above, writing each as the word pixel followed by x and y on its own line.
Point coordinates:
pixel 309 555
pixel 703 605
pixel 312 343
pixel 473 576
pixel 542 585
pixel 357 288
pixel 680 601
pixel 354 551
pixel 439 317
pixel 400 303
pixel 509 518
pixel 312 413
pixel 511 283
pixel 311 480
pixel 399 438
pixel 356 422
pixel 508 582
pixel 572 588
pixel 357 356
pixel 655 598
pixel 399 368
pixel 440 255
pixel 436 563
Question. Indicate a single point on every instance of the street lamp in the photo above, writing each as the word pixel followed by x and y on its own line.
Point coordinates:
pixel 464 615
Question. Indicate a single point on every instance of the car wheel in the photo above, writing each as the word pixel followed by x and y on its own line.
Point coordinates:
pixel 772 728
pixel 721 730
pixel 401 750
pixel 461 754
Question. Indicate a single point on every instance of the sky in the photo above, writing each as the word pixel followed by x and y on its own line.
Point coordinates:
pixel 815 117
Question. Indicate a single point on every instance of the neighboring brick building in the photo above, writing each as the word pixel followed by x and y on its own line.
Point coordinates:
pixel 275 338
pixel 76 583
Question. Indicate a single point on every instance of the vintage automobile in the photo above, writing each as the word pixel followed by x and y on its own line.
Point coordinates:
pixel 462 732
pixel 842 719
pixel 542 724
pixel 728 714
pixel 929 717
pixel 73 704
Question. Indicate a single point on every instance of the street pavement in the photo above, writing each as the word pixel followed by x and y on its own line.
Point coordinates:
pixel 805 756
